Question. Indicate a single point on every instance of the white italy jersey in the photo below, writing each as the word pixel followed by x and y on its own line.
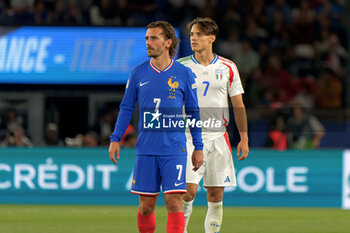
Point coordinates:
pixel 215 83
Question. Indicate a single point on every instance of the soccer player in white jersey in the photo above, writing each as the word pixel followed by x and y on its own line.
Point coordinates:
pixel 216 79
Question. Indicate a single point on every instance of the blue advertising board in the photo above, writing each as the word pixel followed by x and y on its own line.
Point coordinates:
pixel 64 176
pixel 87 176
pixel 70 55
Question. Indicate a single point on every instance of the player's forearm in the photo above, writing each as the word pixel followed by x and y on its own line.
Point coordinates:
pixel 196 132
pixel 241 122
pixel 197 142
pixel 192 112
pixel 197 138
pixel 240 116
pixel 122 123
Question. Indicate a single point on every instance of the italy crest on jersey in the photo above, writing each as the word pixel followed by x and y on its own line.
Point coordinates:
pixel 218 74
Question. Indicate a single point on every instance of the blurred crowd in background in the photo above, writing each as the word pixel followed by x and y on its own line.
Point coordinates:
pixel 13 127
pixel 284 49
pixel 289 52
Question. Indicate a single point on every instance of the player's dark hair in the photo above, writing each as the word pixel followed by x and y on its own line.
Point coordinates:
pixel 206 25
pixel 168 32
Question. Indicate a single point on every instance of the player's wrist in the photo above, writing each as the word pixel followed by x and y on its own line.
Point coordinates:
pixel 244 137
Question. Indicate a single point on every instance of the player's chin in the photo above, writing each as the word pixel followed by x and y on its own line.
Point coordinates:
pixel 194 48
pixel 151 54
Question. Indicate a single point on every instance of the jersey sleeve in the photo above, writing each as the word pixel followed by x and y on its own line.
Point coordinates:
pixel 127 107
pixel 234 85
pixel 192 109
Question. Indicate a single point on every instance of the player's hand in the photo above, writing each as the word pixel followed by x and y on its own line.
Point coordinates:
pixel 197 159
pixel 113 149
pixel 244 148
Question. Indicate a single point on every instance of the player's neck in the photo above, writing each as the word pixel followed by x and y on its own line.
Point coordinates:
pixel 161 62
pixel 204 57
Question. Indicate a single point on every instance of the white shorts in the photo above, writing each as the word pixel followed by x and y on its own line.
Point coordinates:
pixel 217 168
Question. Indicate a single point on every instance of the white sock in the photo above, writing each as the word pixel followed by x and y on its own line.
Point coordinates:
pixel 187 207
pixel 213 219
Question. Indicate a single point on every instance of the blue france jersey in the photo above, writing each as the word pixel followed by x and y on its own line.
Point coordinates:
pixel 161 96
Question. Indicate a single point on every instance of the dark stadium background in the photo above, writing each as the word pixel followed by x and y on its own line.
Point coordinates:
pixel 268 30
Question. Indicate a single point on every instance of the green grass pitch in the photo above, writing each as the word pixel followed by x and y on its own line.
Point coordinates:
pixel 122 219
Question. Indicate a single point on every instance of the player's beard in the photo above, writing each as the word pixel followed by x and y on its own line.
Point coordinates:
pixel 152 52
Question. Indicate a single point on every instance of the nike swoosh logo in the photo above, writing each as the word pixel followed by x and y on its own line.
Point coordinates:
pixel 141 84
pixel 178 184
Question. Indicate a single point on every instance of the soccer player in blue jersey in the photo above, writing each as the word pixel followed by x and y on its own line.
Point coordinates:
pixel 160 85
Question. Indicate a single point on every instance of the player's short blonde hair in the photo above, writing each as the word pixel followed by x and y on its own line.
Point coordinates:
pixel 168 32
pixel 206 25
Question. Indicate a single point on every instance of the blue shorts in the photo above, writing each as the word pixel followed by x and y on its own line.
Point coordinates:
pixel 153 171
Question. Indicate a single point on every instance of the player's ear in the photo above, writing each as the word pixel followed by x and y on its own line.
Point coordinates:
pixel 212 38
pixel 168 43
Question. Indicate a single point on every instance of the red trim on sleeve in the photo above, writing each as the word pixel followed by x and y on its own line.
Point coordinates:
pixel 230 73
pixel 226 60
